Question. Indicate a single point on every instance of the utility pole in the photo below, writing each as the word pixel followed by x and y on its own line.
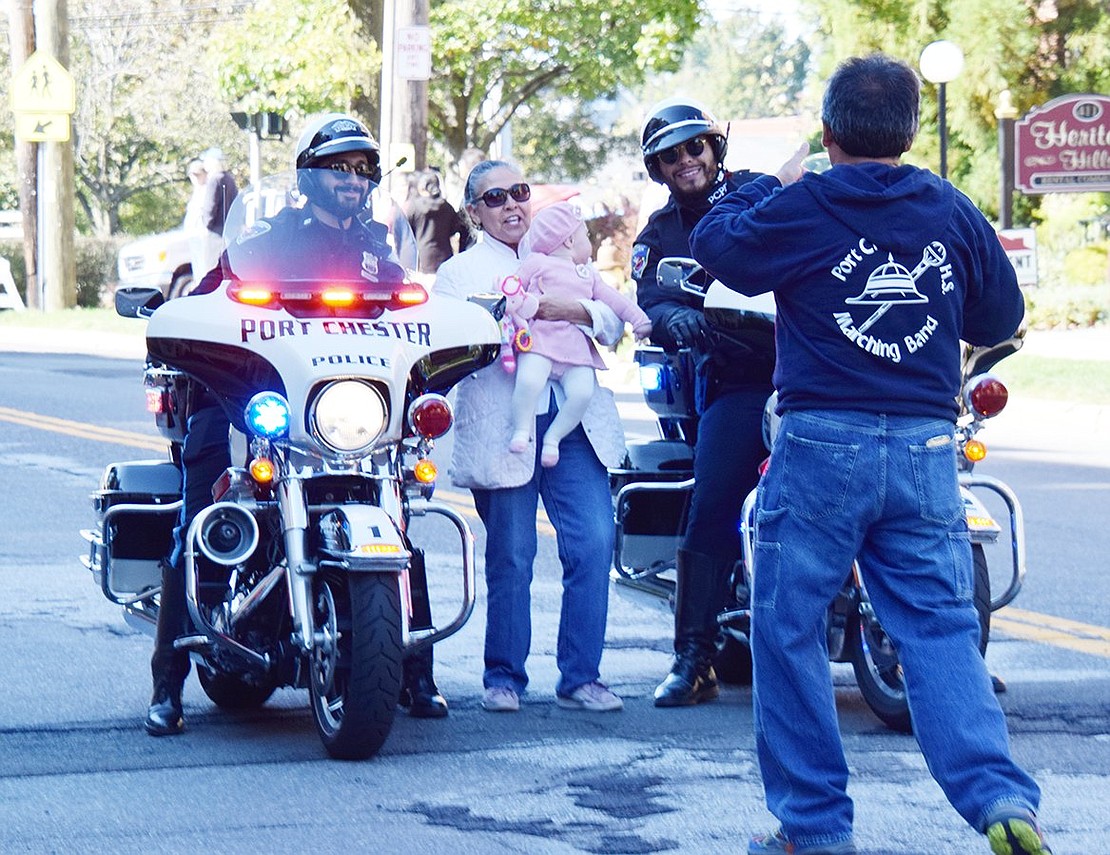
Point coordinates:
pixel 412 122
pixel 56 268
pixel 21 38
pixel 406 67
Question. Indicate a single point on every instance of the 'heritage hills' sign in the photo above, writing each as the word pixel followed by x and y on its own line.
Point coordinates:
pixel 1064 146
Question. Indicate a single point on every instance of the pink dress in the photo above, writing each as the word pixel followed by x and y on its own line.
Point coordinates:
pixel 562 341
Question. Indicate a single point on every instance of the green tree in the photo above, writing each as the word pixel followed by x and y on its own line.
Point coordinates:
pixel 144 108
pixel 294 58
pixel 566 140
pixel 1037 49
pixel 743 67
pixel 491 58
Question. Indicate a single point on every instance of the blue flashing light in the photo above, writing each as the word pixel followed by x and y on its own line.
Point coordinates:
pixel 267 415
pixel 652 377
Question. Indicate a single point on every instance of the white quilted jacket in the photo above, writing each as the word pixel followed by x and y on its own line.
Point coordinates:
pixel 483 411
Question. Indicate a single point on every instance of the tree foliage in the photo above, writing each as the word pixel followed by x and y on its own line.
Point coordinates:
pixel 742 67
pixel 491 58
pixel 144 108
pixel 296 58
pixel 1038 49
pixel 566 140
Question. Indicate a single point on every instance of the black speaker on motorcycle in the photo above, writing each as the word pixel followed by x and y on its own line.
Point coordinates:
pixel 226 533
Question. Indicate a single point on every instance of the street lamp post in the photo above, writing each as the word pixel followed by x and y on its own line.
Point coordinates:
pixel 1006 113
pixel 941 62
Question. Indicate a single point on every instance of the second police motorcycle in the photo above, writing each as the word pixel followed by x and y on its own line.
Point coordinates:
pixel 303 572
pixel 653 488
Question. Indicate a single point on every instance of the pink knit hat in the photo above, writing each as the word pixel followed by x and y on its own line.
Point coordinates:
pixel 551 226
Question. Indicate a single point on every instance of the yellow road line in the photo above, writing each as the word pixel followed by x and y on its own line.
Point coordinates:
pixel 460 501
pixel 1055 631
pixel 82 430
pixel 1031 626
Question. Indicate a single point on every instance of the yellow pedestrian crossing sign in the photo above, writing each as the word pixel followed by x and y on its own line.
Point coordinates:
pixel 42 85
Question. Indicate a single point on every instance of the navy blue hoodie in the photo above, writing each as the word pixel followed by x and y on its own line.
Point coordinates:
pixel 878 272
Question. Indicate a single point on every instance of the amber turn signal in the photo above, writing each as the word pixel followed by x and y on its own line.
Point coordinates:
pixel 425 471
pixel 262 470
pixel 974 450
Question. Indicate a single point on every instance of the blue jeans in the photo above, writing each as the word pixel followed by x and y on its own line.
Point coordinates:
pixel 576 497
pixel 845 484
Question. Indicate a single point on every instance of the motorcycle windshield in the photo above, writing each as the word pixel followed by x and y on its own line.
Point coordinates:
pixel 317 241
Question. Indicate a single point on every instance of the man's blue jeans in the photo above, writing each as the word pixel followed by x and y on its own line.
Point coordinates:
pixel 577 500
pixel 884 488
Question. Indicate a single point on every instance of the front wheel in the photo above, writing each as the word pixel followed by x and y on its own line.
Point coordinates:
pixel 355 670
pixel 875 659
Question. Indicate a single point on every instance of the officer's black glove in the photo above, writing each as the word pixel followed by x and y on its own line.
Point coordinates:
pixel 686 327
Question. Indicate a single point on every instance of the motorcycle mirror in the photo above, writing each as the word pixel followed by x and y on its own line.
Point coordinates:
pixel 138 302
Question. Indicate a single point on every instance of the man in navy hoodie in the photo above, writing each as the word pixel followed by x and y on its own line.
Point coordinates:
pixel 879 270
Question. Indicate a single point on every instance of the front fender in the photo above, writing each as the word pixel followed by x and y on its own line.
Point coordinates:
pixel 362 538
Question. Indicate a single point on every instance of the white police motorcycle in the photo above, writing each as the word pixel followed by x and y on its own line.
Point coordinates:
pixel 302 572
pixel 653 490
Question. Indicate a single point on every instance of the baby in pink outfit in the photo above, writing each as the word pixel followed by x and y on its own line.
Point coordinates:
pixel 558 261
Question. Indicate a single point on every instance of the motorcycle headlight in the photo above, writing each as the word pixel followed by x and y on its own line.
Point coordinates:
pixel 348 416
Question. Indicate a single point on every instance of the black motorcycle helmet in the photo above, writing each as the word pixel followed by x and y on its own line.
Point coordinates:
pixel 674 121
pixel 333 133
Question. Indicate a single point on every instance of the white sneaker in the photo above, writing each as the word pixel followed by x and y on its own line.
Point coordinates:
pixel 500 699
pixel 592 697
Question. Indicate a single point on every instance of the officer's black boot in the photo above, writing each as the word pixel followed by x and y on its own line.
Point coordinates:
pixel 419 693
pixel 168 667
pixel 699 596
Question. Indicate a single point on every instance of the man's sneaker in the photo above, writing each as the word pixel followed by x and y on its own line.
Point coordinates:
pixel 1014 831
pixel 776 843
pixel 500 699
pixel 594 697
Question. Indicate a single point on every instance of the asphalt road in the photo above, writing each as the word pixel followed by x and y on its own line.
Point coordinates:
pixel 77 774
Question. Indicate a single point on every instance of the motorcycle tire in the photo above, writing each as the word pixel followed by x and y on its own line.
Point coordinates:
pixel 232 692
pixel 355 675
pixel 733 662
pixel 875 661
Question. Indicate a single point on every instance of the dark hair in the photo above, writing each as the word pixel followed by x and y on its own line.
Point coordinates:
pixel 871 106
pixel 470 193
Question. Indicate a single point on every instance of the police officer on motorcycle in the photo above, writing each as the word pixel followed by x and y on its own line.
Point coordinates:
pixel 338 165
pixel 684 148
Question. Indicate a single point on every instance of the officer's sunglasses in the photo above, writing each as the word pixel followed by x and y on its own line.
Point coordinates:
pixel 694 148
pixel 495 197
pixel 362 170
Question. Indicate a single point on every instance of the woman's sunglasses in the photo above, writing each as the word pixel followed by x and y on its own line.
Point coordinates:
pixel 694 148
pixel 362 170
pixel 495 197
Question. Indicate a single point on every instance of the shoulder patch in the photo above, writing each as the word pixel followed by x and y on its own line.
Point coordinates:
pixel 259 228
pixel 640 254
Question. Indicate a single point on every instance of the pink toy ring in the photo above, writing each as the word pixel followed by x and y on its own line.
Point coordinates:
pixel 506 285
